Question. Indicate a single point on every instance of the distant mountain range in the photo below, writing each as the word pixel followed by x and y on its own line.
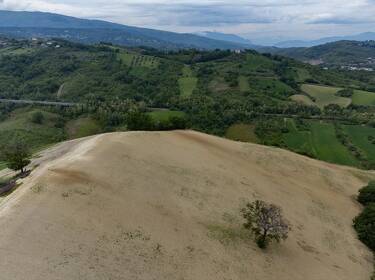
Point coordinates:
pixel 299 43
pixel 367 36
pixel 38 24
pixel 48 25
pixel 226 37
pixel 336 54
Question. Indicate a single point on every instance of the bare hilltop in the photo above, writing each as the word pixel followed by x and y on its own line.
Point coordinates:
pixel 166 205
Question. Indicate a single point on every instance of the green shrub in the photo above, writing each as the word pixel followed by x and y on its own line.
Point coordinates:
pixel 139 121
pixel 364 224
pixel 37 117
pixel 347 92
pixel 367 194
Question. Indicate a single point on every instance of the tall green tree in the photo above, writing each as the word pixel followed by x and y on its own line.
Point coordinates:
pixel 16 154
pixel 266 222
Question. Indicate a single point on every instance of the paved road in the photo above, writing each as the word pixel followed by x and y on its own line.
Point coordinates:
pixel 52 103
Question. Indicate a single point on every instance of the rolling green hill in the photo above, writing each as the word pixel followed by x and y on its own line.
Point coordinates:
pixel 48 25
pixel 336 54
pixel 246 96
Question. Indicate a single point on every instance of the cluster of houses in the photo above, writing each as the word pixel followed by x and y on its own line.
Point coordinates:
pixel 3 43
pixel 368 65
pixel 45 43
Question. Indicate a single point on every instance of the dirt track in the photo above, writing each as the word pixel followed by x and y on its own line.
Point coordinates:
pixel 166 206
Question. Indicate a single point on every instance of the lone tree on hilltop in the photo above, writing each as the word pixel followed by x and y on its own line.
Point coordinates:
pixel 16 155
pixel 265 221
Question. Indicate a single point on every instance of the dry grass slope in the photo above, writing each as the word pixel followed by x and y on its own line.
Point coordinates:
pixel 166 206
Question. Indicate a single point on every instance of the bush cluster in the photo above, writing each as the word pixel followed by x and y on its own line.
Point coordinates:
pixel 364 224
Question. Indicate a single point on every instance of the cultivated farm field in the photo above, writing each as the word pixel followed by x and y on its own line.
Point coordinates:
pixel 319 140
pixel 363 98
pixel 364 138
pixel 136 60
pixel 325 95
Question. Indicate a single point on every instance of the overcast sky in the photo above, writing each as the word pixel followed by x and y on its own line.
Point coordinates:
pixel 278 19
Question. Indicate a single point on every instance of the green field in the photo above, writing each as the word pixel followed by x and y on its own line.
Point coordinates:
pixel 361 137
pixel 16 51
pixel 242 132
pixel 363 98
pixel 2 165
pixel 257 63
pixel 302 75
pixel 37 136
pixel 136 60
pixel 165 115
pixel 187 82
pixel 328 147
pixel 243 83
pixel 298 140
pixel 325 95
pixel 319 141
pixel 82 127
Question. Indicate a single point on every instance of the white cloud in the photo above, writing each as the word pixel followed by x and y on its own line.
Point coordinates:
pixel 303 18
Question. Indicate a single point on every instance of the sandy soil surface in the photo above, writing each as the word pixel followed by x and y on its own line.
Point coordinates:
pixel 166 206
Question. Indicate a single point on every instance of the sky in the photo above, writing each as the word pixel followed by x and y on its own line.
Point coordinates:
pixel 257 20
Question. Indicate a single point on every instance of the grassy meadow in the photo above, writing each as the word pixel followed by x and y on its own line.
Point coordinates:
pixel 325 95
pixel 82 127
pixel 188 82
pixel 165 115
pixel 363 98
pixel 243 83
pixel 20 125
pixel 242 132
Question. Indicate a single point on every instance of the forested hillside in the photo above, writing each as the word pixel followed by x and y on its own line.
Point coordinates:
pixel 245 96
pixel 21 24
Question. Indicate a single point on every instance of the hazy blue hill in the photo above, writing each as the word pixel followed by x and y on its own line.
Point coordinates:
pixel 226 37
pixel 367 36
pixel 41 19
pixel 340 53
pixel 38 24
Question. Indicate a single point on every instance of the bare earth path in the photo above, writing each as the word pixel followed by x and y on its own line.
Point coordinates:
pixel 166 206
